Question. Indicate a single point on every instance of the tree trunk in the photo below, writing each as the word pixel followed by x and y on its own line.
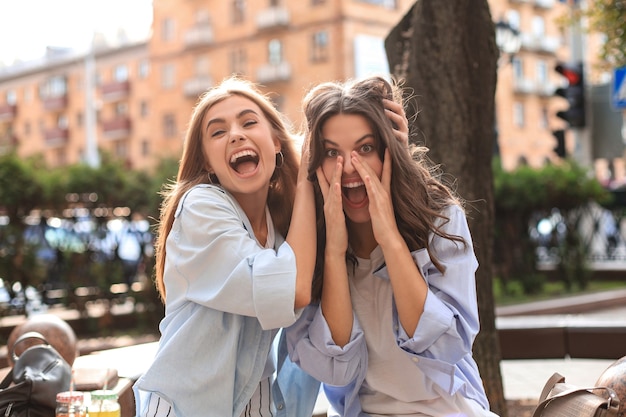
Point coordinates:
pixel 445 52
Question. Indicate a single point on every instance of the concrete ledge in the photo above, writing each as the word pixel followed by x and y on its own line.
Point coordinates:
pixel 561 342
pixel 567 305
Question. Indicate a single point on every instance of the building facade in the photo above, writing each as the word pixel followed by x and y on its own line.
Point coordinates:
pixel 134 101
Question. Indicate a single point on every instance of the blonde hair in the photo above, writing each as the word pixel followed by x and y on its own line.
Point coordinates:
pixel 192 168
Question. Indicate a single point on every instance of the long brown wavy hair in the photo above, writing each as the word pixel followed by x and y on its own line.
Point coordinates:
pixel 192 168
pixel 418 190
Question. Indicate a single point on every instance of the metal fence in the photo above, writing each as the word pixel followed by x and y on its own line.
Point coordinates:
pixel 599 230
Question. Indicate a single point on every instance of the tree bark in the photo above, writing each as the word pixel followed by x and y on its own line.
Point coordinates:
pixel 445 53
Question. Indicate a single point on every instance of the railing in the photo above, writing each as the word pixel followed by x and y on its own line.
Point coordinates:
pixel 601 230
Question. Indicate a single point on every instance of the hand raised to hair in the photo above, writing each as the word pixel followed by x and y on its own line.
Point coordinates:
pixel 305 157
pixel 379 195
pixel 336 232
pixel 395 113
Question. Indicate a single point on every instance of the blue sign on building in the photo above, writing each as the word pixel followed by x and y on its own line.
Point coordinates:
pixel 618 92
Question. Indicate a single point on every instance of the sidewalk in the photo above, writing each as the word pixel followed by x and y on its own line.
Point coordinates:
pixel 525 378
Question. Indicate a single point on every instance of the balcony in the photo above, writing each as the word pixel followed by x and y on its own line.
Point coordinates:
pixel 540 43
pixel 545 89
pixel 116 128
pixel 272 73
pixel 524 86
pixel 55 103
pixel 273 17
pixel 115 90
pixel 195 86
pixel 56 137
pixel 7 112
pixel 544 4
pixel 198 36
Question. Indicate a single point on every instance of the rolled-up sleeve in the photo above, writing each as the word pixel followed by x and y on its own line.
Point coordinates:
pixel 213 260
pixel 311 347
pixel 449 322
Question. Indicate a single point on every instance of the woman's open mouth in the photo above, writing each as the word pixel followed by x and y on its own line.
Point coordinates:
pixel 244 162
pixel 354 192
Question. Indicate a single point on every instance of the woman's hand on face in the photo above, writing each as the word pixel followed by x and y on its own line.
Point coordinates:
pixel 379 195
pixel 336 232
pixel 395 113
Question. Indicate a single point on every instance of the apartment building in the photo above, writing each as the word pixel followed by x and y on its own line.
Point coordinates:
pixel 142 95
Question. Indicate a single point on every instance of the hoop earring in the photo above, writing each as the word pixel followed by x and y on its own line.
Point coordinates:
pixel 210 177
pixel 280 161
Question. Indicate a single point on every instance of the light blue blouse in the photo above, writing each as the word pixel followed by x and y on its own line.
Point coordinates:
pixel 225 294
pixel 441 346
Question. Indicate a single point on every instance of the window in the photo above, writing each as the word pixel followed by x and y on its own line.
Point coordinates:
pixel 167 30
pixel 319 49
pixel 143 109
pixel 275 52
pixel 27 128
pixel 62 122
pixel 145 147
pixel 53 87
pixel 239 8
pixel 121 109
pixel 120 73
pixel 518 114
pixel 542 72
pixel 201 66
pixel 11 97
pixel 202 17
pixel 279 103
pixel 518 69
pixel 388 4
pixel 169 125
pixel 538 27
pixel 144 68
pixel 79 119
pixel 121 149
pixel 167 76
pixel 238 61
pixel 317 2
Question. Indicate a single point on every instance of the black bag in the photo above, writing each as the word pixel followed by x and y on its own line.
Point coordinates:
pixel 38 375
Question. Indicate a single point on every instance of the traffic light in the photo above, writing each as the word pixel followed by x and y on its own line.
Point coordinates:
pixel 559 149
pixel 574 93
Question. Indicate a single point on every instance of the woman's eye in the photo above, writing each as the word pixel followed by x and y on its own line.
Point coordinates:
pixel 367 148
pixel 331 153
pixel 217 133
pixel 249 123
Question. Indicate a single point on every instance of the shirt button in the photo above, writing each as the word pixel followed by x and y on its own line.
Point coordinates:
pixel 280 406
pixel 416 360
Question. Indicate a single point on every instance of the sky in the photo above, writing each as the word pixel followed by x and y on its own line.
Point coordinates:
pixel 28 26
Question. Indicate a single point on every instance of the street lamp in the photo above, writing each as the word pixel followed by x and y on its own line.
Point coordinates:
pixel 508 39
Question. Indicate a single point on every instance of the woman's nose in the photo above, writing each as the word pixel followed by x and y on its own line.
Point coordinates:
pixel 348 168
pixel 236 135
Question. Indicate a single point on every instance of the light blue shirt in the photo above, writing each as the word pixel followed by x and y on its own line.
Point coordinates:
pixel 225 295
pixel 441 346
